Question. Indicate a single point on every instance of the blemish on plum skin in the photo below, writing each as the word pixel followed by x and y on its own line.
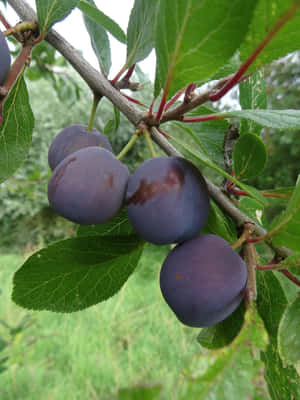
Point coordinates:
pixel 110 180
pixel 174 180
pixel 178 275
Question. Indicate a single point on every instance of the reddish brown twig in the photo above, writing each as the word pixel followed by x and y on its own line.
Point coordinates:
pixel 237 76
pixel 290 276
pixel 174 99
pixel 201 118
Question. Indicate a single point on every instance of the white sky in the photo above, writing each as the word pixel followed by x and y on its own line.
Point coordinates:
pixel 73 29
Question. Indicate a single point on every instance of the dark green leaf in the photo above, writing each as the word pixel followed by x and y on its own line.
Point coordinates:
pixel 118 226
pixel 99 41
pixel 292 263
pixel 252 96
pixel 140 30
pixel 289 334
pixel 223 333
pixel 287 40
pixel 254 209
pixel 209 135
pixel 227 374
pixel 51 11
pixel 138 393
pixel 100 18
pixel 201 156
pixel 283 381
pixel 194 39
pixel 76 273
pixel 220 224
pixel 15 130
pixel 286 228
pixel 276 119
pixel 249 156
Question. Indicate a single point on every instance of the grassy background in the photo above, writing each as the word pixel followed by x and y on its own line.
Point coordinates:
pixel 131 339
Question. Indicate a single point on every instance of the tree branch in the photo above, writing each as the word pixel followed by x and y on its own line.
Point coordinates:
pixel 101 86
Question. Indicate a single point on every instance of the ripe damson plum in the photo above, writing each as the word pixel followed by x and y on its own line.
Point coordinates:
pixel 5 58
pixel 73 138
pixel 203 280
pixel 167 200
pixel 88 186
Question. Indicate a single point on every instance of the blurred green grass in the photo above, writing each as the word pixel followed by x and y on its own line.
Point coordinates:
pixel 131 339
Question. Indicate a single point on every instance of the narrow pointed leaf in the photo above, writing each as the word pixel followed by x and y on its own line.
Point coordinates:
pixel 74 274
pixel 51 11
pixel 99 41
pixel 276 119
pixel 103 20
pixel 194 39
pixel 140 40
pixel 15 130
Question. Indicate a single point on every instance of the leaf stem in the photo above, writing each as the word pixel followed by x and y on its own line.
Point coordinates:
pixel 163 100
pixel 123 69
pixel 93 112
pixel 200 118
pixel 149 143
pixel 174 98
pixel 130 144
pixel 290 276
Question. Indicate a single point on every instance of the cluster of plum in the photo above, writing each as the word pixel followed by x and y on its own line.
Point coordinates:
pixel 167 201
pixel 5 58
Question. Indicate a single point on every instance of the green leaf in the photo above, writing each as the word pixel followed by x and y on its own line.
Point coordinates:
pixel 283 381
pixel 276 119
pixel 220 224
pixel 118 226
pixel 223 333
pixel 286 228
pixel 227 374
pixel 209 135
pixel 289 334
pixel 141 392
pixel 51 11
pixel 15 130
pixel 292 263
pixel 194 39
pixel 249 156
pixel 103 20
pixel 99 41
pixel 253 96
pixel 140 39
pixel 254 209
pixel 74 274
pixel 287 40
pixel 199 155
